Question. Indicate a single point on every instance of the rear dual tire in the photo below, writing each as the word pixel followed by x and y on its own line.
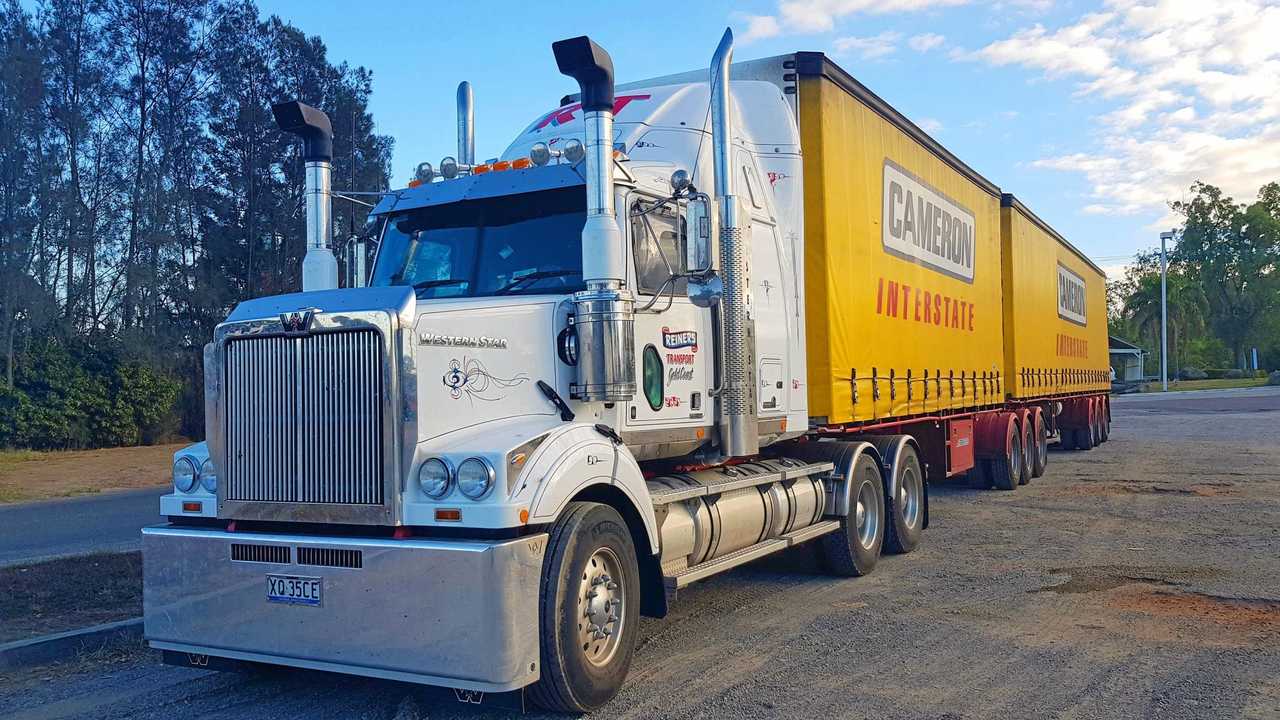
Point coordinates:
pixel 1006 470
pixel 854 549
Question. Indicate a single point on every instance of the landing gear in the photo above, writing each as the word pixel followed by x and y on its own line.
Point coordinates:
pixel 854 549
pixel 590 602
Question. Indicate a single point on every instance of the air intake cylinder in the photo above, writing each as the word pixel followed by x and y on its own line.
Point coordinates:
pixel 319 267
pixel 605 311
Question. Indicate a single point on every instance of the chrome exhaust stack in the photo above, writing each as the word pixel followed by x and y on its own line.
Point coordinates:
pixel 739 430
pixel 319 266
pixel 604 312
pixel 466 125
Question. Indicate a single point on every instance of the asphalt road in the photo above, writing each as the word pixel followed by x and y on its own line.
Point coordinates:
pixel 1137 580
pixel 110 522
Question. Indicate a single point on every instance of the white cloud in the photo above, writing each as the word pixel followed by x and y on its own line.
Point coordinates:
pixel 930 125
pixel 816 16
pixel 869 48
pixel 1196 87
pixel 761 26
pixel 926 42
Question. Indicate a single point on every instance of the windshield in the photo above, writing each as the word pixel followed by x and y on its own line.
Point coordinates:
pixel 516 244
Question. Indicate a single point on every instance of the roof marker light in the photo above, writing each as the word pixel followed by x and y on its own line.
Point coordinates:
pixel 521 163
pixel 502 165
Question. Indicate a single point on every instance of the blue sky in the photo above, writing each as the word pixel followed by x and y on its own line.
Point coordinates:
pixel 1094 113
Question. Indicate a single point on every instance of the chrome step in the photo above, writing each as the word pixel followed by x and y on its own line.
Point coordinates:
pixel 727 481
pixel 747 554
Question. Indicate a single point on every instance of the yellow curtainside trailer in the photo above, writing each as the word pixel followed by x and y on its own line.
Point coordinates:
pixel 1055 312
pixel 902 261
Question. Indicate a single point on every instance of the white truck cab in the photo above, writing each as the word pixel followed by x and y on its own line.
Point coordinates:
pixel 571 386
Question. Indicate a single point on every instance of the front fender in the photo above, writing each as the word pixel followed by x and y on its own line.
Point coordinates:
pixel 577 457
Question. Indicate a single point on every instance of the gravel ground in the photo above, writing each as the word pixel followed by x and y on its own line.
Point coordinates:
pixel 1135 580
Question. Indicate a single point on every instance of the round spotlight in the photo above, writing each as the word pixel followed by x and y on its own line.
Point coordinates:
pixel 208 476
pixel 185 474
pixel 680 180
pixel 435 477
pixel 540 154
pixel 449 168
pixel 475 478
pixel 574 152
pixel 424 173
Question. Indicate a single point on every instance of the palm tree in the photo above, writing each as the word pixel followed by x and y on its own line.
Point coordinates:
pixel 1188 308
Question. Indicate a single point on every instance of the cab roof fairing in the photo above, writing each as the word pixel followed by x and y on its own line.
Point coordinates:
pixel 479 187
pixel 670 124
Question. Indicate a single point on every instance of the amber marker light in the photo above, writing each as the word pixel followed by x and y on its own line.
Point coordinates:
pixel 524 516
pixel 191 507
pixel 521 163
pixel 448 515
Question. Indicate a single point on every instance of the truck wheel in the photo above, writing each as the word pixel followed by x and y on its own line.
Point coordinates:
pixel 1105 417
pixel 906 509
pixel 1028 453
pixel 1084 437
pixel 589 609
pixel 1041 438
pixel 980 475
pixel 1007 468
pixel 853 550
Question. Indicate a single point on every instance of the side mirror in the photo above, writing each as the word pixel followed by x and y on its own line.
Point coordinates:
pixel 700 224
pixel 357 249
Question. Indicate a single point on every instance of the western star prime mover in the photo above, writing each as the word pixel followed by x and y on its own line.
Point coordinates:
pixel 676 326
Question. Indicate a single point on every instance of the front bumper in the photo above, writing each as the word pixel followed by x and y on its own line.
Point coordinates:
pixel 460 614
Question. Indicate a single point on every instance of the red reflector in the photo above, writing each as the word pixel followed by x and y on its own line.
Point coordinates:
pixel 402 532
pixel 448 515
pixel 192 507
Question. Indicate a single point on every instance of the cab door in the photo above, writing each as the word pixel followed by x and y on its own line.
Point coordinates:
pixel 673 343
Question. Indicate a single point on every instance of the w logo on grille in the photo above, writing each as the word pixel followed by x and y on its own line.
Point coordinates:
pixel 298 322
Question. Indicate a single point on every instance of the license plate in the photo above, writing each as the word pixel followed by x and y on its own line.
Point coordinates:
pixel 294 589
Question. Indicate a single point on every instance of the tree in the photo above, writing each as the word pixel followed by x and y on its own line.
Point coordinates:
pixel 1233 250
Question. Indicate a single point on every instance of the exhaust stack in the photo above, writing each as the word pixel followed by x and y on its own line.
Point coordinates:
pixel 319 267
pixel 605 311
pixel 466 125
pixel 739 430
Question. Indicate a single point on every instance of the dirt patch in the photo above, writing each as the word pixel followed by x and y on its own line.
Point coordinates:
pixel 1099 489
pixel 1100 578
pixel 27 475
pixel 69 593
pixel 1241 614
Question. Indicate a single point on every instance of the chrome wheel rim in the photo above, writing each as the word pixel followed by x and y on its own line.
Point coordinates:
pixel 600 607
pixel 1015 456
pixel 909 492
pixel 866 514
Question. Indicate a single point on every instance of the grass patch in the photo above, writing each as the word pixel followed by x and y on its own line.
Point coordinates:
pixel 27 475
pixel 1223 384
pixel 69 593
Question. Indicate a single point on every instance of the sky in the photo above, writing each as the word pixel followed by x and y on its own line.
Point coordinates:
pixel 1095 114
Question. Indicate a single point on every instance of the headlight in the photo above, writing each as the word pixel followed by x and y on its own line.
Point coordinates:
pixel 434 477
pixel 208 476
pixel 185 474
pixel 475 478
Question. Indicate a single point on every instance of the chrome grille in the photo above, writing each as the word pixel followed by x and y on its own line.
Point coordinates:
pixel 303 423
pixel 243 552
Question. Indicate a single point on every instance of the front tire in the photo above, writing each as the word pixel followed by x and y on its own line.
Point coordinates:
pixel 589 609
pixel 853 550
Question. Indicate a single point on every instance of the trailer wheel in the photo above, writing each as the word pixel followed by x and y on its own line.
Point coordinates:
pixel 1006 469
pixel 589 609
pixel 1104 416
pixel 980 475
pixel 853 550
pixel 906 508
pixel 1084 438
pixel 1028 452
pixel 1041 445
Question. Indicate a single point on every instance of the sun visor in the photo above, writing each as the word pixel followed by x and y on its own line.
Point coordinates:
pixel 482 186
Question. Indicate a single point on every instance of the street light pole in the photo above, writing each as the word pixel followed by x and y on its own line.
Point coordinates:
pixel 1164 310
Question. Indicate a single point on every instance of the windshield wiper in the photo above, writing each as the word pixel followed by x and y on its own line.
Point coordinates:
pixel 534 276
pixel 425 284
